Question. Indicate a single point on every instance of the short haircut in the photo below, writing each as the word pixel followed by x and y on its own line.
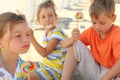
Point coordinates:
pixel 102 6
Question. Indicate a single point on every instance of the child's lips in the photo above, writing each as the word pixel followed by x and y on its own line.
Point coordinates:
pixel 26 46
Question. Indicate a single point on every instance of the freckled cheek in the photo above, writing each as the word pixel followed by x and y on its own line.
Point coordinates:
pixel 17 41
pixel 98 27
pixel 29 42
pixel 94 27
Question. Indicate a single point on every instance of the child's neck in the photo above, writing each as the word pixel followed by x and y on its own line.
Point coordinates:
pixel 102 36
pixel 9 62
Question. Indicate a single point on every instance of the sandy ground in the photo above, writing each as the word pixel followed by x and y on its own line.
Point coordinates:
pixel 66 21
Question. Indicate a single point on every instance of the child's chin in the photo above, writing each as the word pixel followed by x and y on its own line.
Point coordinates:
pixel 24 51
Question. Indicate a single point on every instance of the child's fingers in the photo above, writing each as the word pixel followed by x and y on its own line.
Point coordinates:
pixel 76 30
pixel 34 76
pixel 31 32
pixel 75 36
pixel 75 33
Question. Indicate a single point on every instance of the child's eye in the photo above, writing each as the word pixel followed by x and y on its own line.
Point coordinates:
pixel 18 36
pixel 28 34
pixel 43 16
pixel 93 22
pixel 51 15
pixel 102 23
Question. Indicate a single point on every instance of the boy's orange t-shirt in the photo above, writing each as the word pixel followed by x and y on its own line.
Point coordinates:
pixel 105 51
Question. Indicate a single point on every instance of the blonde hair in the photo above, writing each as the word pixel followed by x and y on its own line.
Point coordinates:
pixel 46 4
pixel 11 18
pixel 102 6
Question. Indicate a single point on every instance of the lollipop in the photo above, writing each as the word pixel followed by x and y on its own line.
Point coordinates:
pixel 78 16
pixel 31 66
pixel 24 67
pixel 27 67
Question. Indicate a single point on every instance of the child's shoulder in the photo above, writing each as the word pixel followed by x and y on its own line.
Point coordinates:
pixel 58 29
pixel 116 28
pixel 4 74
pixel 115 31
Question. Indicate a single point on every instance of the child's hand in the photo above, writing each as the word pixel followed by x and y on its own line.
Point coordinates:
pixel 31 32
pixel 32 35
pixel 33 76
pixel 67 42
pixel 75 33
pixel 70 41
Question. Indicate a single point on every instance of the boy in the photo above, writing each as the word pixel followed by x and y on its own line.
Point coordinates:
pixel 102 61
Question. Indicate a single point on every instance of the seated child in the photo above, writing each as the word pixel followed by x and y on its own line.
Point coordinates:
pixel 102 60
pixel 51 51
pixel 14 40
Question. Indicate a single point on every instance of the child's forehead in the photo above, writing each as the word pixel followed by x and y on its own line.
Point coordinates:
pixel 20 26
pixel 100 16
pixel 47 9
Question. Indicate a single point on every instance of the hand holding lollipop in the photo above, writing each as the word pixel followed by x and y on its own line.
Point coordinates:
pixel 78 16
pixel 70 41
pixel 27 67
pixel 75 32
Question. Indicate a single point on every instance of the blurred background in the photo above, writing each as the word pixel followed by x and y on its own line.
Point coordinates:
pixel 29 7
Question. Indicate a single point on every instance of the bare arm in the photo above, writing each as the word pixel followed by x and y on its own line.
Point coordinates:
pixel 67 42
pixel 48 49
pixel 41 50
pixel 69 65
pixel 114 71
pixel 70 41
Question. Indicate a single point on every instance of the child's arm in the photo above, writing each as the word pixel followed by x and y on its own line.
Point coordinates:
pixel 67 42
pixel 114 71
pixel 70 41
pixel 69 65
pixel 48 49
pixel 41 50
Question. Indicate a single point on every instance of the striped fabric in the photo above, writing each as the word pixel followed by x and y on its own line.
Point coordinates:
pixel 22 70
pixel 49 69
pixel 53 63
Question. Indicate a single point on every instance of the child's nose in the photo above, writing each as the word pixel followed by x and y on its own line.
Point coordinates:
pixel 26 39
pixel 47 18
pixel 97 26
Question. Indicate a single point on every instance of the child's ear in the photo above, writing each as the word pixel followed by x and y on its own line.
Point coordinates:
pixel 114 18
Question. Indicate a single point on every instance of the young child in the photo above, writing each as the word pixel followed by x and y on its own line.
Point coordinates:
pixel 102 61
pixel 14 40
pixel 52 52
